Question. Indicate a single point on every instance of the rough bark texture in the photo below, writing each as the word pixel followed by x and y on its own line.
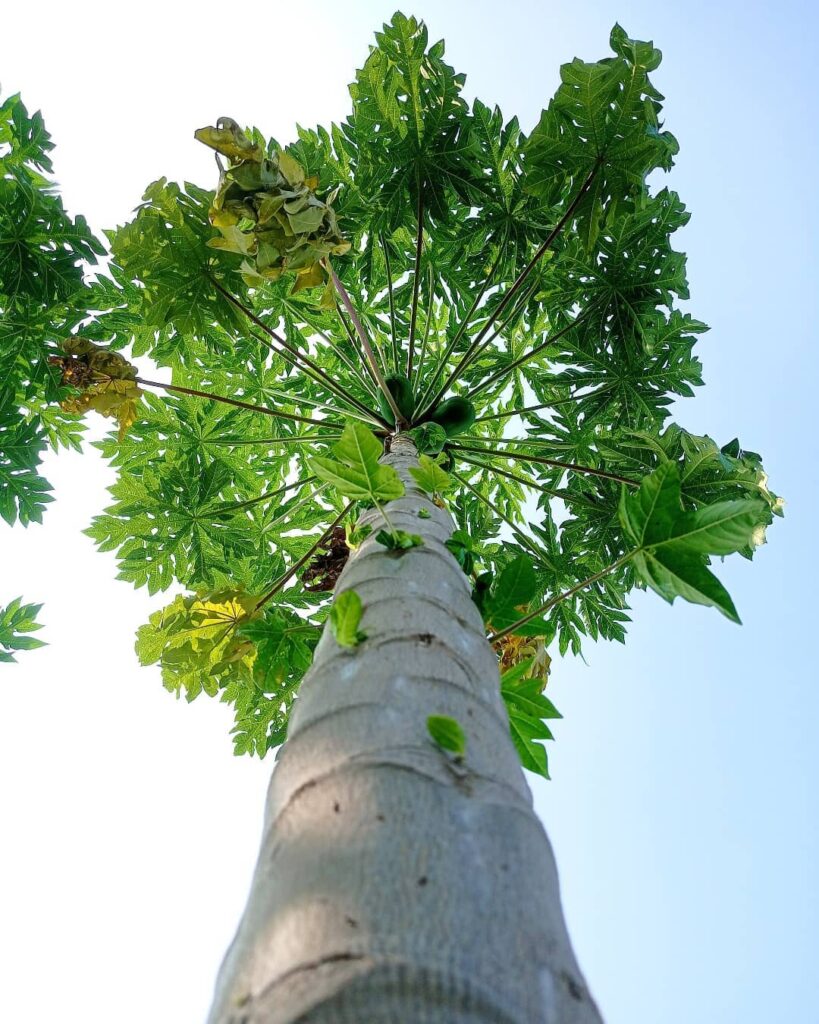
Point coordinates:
pixel 393 884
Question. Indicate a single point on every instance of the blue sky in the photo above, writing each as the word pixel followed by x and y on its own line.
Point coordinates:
pixel 683 807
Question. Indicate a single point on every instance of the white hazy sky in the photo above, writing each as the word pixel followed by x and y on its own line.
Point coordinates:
pixel 683 809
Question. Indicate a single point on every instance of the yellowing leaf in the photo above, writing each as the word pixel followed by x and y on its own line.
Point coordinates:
pixel 232 239
pixel 228 138
pixel 266 207
pixel 106 382
pixel 195 640
pixel 291 168
pixel 308 279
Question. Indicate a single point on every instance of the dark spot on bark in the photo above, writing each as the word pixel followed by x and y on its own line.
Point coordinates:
pixel 351 921
pixel 469 712
pixel 575 990
pixel 336 807
pixel 425 639
pixel 504 867
pixel 380 817
pixel 423 880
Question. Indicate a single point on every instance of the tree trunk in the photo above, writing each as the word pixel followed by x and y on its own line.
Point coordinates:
pixel 395 885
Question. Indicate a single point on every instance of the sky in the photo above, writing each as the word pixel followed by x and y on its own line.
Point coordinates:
pixel 683 807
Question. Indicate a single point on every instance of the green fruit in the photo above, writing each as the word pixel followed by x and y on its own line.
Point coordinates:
pixel 401 391
pixel 455 415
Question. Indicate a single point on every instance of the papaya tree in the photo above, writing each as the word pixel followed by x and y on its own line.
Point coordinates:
pixel 393 425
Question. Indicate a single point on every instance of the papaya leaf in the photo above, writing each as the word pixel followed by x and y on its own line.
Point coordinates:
pixel 516 584
pixel 196 643
pixel 356 535
pixel 447 733
pixel 538 281
pixel 398 540
pixel 526 731
pixel 602 123
pixel 508 598
pixel 267 211
pixel 675 572
pixel 466 553
pixel 23 492
pixel 410 127
pixel 356 472
pixel 17 620
pixel 525 691
pixel 430 477
pixel 345 615
pixel 673 544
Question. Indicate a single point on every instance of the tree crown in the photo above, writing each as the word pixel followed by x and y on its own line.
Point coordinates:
pixel 511 301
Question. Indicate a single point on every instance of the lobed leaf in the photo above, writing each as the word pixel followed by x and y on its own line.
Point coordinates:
pixel 356 472
pixel 17 620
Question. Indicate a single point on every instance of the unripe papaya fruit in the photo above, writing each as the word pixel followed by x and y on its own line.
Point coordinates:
pixel 401 391
pixel 455 415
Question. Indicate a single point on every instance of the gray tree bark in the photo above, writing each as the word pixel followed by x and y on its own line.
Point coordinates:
pixel 395 885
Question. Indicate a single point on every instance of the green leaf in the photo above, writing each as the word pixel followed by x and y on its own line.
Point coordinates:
pixel 164 268
pixel 23 492
pixel 356 535
pixel 674 572
pixel 516 584
pixel 673 543
pixel 410 127
pixel 345 615
pixel 44 255
pixel 398 540
pixel 356 472
pixel 648 514
pixel 719 529
pixel 525 694
pixel 604 122
pixel 570 383
pixel 222 645
pixel 16 621
pixel 447 733
pixel 430 477
pixel 464 549
pixel 526 731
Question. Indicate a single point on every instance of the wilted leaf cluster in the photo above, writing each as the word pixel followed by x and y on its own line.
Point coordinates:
pixel 104 380
pixel 267 210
